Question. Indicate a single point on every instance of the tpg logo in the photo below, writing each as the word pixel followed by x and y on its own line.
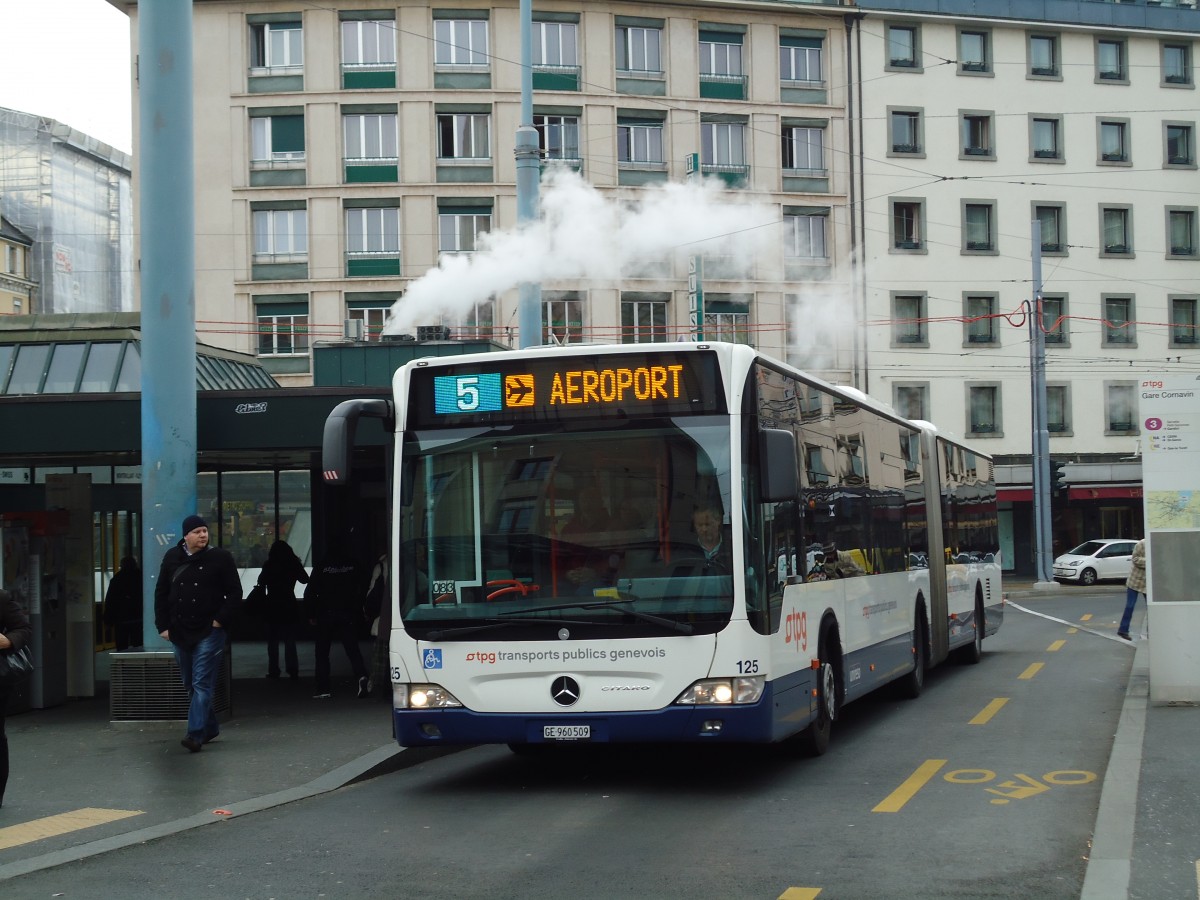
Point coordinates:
pixel 431 659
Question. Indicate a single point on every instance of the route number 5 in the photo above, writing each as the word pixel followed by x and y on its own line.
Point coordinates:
pixel 468 393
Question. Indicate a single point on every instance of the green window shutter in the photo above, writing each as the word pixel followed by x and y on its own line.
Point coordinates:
pixel 281 309
pixel 287 134
pixel 720 37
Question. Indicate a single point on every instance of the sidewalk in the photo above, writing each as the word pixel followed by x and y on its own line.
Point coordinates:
pixel 279 745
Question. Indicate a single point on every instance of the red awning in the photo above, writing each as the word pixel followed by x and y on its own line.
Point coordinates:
pixel 1014 495
pixel 1104 493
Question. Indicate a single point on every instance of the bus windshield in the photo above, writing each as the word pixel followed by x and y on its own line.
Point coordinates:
pixel 620 532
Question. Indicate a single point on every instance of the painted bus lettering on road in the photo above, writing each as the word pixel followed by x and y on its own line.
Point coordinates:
pixel 1019 787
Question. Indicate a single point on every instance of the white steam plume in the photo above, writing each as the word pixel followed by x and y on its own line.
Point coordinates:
pixel 583 234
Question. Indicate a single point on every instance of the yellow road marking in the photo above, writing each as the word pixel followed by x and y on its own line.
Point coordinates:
pixel 1086 617
pixel 1033 669
pixel 895 801
pixel 795 893
pixel 985 715
pixel 63 823
pixel 1072 631
pixel 1057 645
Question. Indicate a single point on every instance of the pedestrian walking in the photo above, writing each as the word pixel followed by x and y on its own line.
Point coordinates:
pixel 1134 585
pixel 15 633
pixel 333 604
pixel 198 592
pixel 281 612
pixel 123 604
pixel 378 606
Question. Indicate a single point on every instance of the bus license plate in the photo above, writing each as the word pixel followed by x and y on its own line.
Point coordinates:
pixel 566 732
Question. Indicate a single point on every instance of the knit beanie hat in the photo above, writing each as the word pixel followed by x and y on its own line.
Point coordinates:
pixel 191 523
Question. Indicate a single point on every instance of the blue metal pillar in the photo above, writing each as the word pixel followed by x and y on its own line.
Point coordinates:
pixel 166 203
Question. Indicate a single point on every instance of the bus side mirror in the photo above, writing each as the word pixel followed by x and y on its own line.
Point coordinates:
pixel 777 465
pixel 337 441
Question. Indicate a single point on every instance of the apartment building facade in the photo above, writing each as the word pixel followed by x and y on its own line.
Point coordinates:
pixel 344 150
pixel 1072 124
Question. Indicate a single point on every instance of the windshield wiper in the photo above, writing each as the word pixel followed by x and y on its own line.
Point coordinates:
pixel 626 607
pixel 496 622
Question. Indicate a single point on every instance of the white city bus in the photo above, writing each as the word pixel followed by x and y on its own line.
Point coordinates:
pixel 550 581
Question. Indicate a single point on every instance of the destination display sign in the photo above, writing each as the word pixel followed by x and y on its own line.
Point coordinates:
pixel 509 391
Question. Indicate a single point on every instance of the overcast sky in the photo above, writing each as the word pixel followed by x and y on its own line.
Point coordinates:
pixel 68 60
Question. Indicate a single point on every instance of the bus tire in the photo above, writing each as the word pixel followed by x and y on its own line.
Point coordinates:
pixel 814 740
pixel 973 652
pixel 913 683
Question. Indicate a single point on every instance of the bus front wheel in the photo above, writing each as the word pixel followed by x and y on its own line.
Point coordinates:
pixel 814 740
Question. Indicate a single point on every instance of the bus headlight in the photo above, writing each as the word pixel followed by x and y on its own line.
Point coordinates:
pixel 422 696
pixel 724 691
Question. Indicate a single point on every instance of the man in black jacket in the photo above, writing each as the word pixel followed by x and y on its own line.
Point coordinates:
pixel 333 604
pixel 197 594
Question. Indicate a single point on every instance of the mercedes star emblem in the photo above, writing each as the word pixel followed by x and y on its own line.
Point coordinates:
pixel 565 691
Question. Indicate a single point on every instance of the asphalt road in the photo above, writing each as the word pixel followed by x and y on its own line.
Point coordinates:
pixel 987 786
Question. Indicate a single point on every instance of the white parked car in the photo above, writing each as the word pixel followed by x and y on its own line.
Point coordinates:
pixel 1092 561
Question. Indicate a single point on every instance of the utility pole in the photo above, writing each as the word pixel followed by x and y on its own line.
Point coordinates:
pixel 529 172
pixel 1040 456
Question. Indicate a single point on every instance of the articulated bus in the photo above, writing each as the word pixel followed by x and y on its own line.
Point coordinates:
pixel 686 542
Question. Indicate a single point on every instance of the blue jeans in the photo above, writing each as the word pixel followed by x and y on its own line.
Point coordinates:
pixel 1131 598
pixel 199 667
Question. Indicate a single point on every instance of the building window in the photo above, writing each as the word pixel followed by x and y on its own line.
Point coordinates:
pixel 903 47
pixel 1054 319
pixel 370 139
pixel 460 42
pixel 983 401
pixel 804 237
pixel 1120 404
pixel 980 319
pixel 1111 62
pixel 976 135
pixel 720 56
pixel 640 142
pixel 1181 232
pixel 368 44
pixel 804 149
pixel 374 318
pixel 1052 218
pixel 1177 65
pixel 979 229
pixel 1116 231
pixel 1184 322
pixel 800 60
pixel 1044 56
pixel 562 317
pixel 908 321
pixel 464 136
pixel 911 400
pixel 974 52
pixel 276 45
pixel 722 145
pixel 1118 326
pixel 1181 149
pixel 373 241
pixel 644 317
pixel 908 225
pixel 906 131
pixel 639 50
pixel 276 140
pixel 282 329
pixel 1044 137
pixel 479 322
pixel 459 231
pixel 1114 141
pixel 726 319
pixel 1058 409
pixel 558 137
pixel 555 44
pixel 280 235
